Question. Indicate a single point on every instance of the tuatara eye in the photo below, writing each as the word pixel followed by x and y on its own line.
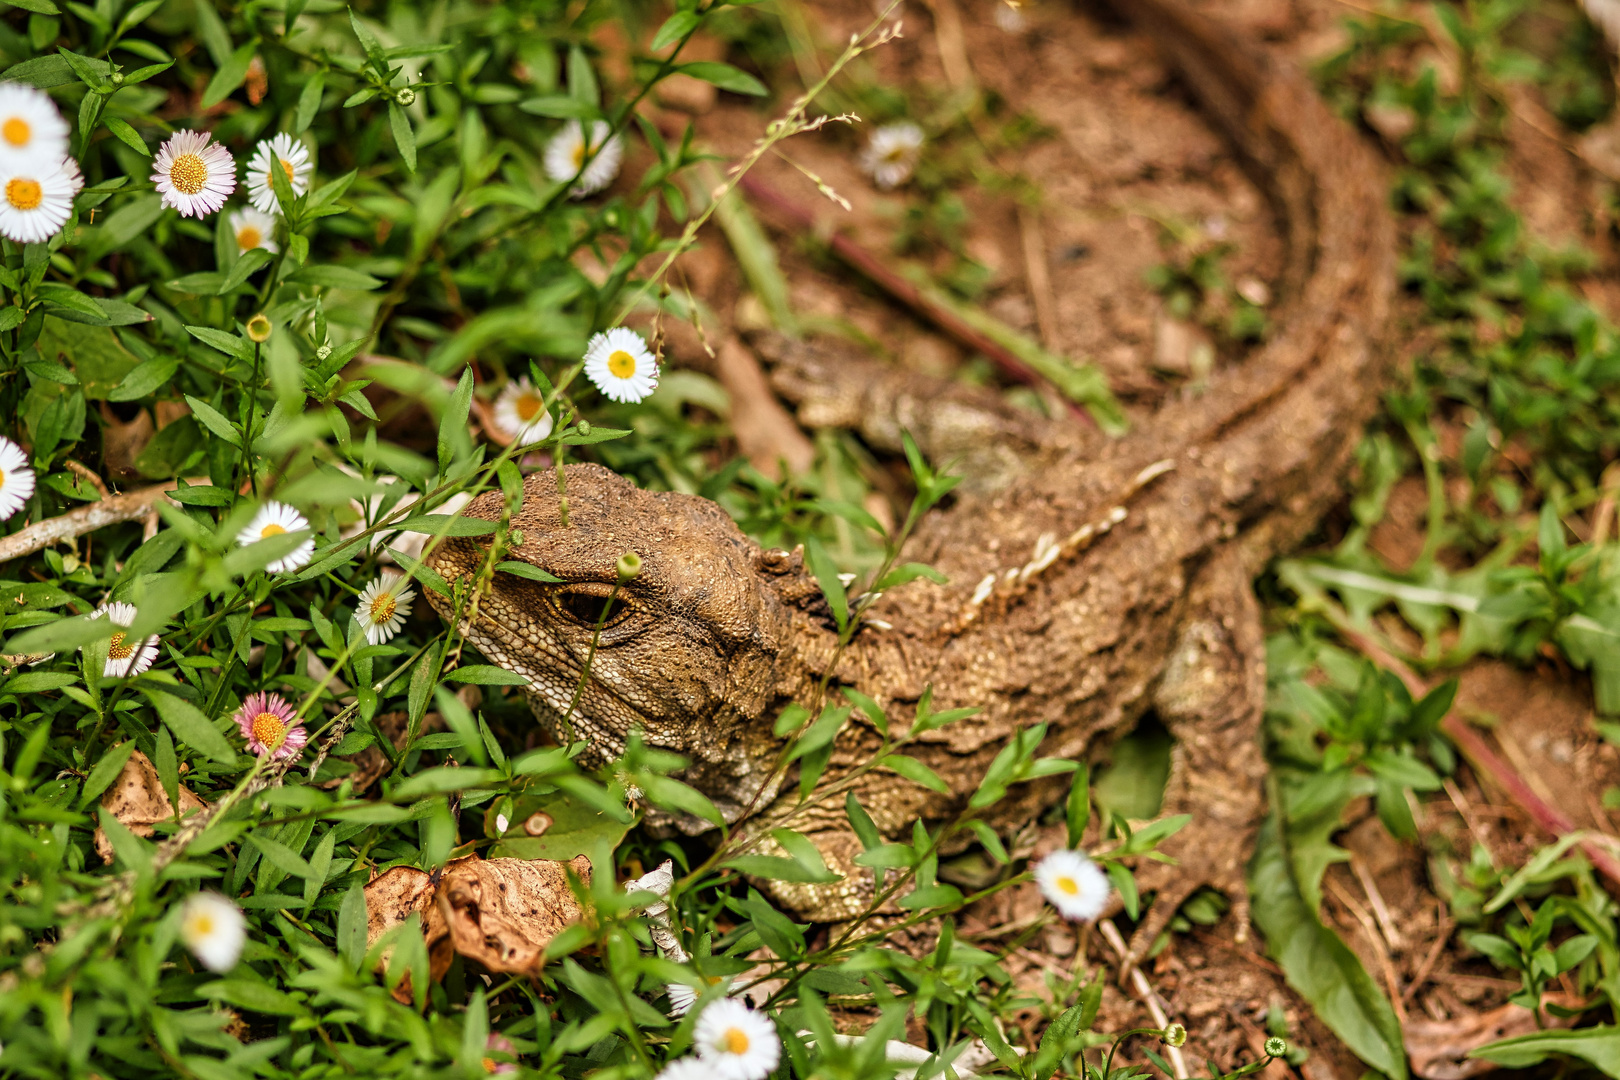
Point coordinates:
pixel 586 603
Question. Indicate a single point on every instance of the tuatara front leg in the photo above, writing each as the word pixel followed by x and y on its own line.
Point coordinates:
pixel 1211 697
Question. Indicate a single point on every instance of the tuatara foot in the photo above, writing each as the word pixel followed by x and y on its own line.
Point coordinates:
pixel 1211 696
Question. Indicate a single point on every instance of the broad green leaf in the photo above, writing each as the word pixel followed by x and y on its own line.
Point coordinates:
pixel 725 77
pixel 191 727
pixel 106 771
pixel 1318 965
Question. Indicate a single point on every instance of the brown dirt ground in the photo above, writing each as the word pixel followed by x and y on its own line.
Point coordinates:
pixel 1123 153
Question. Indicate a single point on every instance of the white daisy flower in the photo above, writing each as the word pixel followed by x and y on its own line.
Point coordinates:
pixel 292 156
pixel 521 412
pixel 892 153
pixel 275 519
pixel 125 657
pixel 620 365
pixel 737 1042
pixel 214 930
pixel 383 607
pixel 688 1068
pixel 193 173
pixel 33 134
pixel 16 478
pixel 253 228
pixel 683 997
pixel 1074 884
pixel 75 177
pixel 567 150
pixel 35 202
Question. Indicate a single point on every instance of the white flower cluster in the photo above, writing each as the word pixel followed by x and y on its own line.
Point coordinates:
pixel 38 181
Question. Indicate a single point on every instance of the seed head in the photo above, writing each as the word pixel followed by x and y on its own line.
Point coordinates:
pixel 629 566
pixel 1175 1035
pixel 405 96
pixel 323 352
pixel 1276 1047
pixel 258 328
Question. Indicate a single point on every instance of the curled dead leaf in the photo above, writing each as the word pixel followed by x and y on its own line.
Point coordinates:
pixel 138 801
pixel 394 896
pixel 503 912
pixel 499 912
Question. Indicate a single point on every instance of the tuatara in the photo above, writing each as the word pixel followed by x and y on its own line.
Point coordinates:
pixel 1090 581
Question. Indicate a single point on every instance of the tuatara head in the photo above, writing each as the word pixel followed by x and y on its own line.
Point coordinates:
pixel 693 649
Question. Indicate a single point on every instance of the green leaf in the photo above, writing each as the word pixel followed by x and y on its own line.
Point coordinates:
pixel 253 995
pixel 453 440
pixel 826 574
pixel 582 85
pixel 675 27
pixel 191 727
pixel 404 135
pixel 486 675
pixel 309 102
pixel 39 7
pixel 1319 965
pixel 145 378
pixel 1599 1046
pixel 229 344
pixel 525 570
pixel 229 76
pixel 561 108
pixel 575 828
pixel 106 771
pixel 127 135
pixel 725 77
pixel 351 926
pixel 916 772
pixel 214 420
pixel 334 277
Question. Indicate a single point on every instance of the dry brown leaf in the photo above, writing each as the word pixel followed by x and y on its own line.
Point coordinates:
pixel 391 898
pixel 369 764
pixel 138 801
pixel 503 912
pixel 1439 1048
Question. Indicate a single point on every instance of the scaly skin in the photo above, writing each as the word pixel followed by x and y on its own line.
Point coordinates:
pixel 1089 581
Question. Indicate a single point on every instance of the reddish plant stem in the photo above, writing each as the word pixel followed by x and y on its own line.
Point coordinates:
pixel 893 283
pixel 1488 762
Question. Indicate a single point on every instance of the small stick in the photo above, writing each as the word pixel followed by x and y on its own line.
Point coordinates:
pixel 1155 1007
pixel 95 480
pixel 1035 272
pixel 75 523
pixel 1380 909
pixel 1441 937
pixel 1396 999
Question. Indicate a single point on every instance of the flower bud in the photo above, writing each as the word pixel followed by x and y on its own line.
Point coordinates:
pixel 405 96
pixel 323 352
pixel 584 427
pixel 1175 1035
pixel 629 566
pixel 1276 1047
pixel 258 328
pixel 116 78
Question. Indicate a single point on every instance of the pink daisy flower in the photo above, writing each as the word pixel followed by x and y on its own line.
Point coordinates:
pixel 500 1044
pixel 266 722
pixel 194 173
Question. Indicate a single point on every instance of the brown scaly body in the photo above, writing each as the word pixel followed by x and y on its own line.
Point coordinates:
pixel 1089 581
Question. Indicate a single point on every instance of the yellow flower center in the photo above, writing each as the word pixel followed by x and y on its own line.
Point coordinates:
pixel 1068 886
pixel 23 194
pixel 188 174
pixel 489 1065
pixel 622 364
pixel 270 530
pixel 201 926
pixel 735 1040
pixel 527 405
pixel 382 608
pixel 579 155
pixel 118 648
pixel 269 730
pixel 4 476
pixel 16 131
pixel 287 167
pixel 248 237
